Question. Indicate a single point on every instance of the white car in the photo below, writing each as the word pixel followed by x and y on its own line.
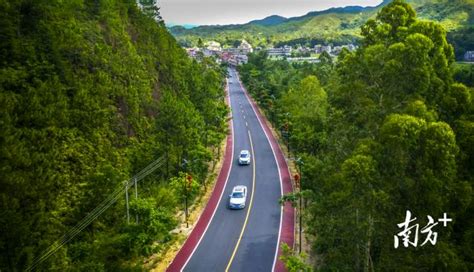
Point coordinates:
pixel 238 197
pixel 244 157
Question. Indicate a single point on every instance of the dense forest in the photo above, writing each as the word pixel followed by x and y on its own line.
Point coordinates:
pixel 92 91
pixel 379 131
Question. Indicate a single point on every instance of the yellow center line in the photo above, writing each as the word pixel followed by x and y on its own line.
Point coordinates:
pixel 249 208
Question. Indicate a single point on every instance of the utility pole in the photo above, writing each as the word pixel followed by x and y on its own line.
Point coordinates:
pixel 298 180
pixel 301 216
pixel 186 202
pixel 185 162
pixel 136 197
pixel 287 130
pixel 298 184
pixel 126 198
pixel 287 134
pixel 272 108
pixel 188 182
pixel 99 210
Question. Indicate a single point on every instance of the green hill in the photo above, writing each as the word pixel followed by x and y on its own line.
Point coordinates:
pixel 90 93
pixel 337 25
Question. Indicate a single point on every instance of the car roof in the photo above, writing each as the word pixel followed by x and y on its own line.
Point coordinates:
pixel 244 152
pixel 239 188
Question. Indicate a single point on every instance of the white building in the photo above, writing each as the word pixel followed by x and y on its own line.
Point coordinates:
pixel 336 50
pixel 284 51
pixel 317 49
pixel 213 46
pixel 231 50
pixel 238 59
pixel 192 52
pixel 469 56
pixel 351 47
pixel 326 48
pixel 245 47
pixel 242 59
pixel 304 59
pixel 209 53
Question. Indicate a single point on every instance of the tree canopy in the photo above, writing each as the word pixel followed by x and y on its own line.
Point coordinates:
pixel 387 130
pixel 90 93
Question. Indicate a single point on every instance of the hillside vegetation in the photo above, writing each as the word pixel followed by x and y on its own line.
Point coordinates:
pixel 337 25
pixel 92 91
pixel 384 130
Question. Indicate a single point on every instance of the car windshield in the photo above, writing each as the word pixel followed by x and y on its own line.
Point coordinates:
pixel 244 155
pixel 237 195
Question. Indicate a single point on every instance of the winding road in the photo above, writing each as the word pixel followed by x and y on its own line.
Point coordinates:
pixel 248 239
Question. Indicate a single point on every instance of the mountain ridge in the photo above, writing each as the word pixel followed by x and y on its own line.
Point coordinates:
pixel 269 20
pixel 276 18
pixel 334 25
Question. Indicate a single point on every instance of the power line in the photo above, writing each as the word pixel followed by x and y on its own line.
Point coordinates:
pixel 101 208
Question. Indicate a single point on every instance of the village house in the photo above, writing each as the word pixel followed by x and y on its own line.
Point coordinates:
pixel 245 47
pixel 469 56
pixel 284 51
pixel 213 46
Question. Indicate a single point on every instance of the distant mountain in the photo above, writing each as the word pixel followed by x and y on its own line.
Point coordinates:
pixel 269 21
pixel 335 25
pixel 340 10
pixel 185 26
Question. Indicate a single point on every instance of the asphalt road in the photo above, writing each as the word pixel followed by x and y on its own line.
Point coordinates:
pixel 244 240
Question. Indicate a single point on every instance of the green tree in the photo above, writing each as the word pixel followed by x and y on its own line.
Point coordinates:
pixel 151 9
pixel 307 106
pixel 294 262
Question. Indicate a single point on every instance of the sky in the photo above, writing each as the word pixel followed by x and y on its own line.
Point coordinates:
pixel 213 12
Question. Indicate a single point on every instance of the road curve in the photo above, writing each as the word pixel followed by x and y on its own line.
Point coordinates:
pixel 243 240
